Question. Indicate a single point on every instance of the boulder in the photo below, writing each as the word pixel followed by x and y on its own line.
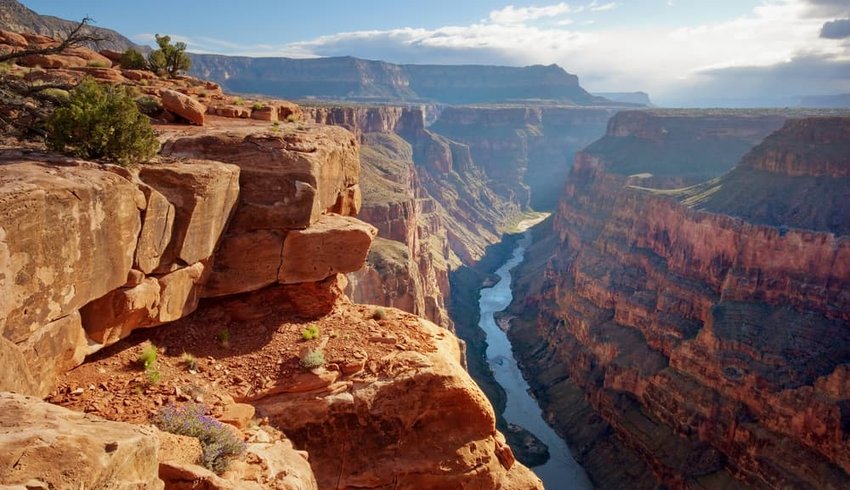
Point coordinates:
pixel 153 302
pixel 112 55
pixel 47 445
pixel 54 349
pixel 203 195
pixel 12 39
pixel 137 75
pixel 334 244
pixel 184 106
pixel 67 236
pixel 245 262
pixel 287 180
pixel 110 75
pixel 265 113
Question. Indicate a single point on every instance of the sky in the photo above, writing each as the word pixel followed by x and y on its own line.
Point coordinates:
pixel 682 52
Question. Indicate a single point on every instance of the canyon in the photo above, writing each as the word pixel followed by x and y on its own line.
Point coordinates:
pixel 695 336
pixel 681 317
pixel 232 242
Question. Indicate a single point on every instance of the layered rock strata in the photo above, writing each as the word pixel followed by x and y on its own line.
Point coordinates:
pixel 697 337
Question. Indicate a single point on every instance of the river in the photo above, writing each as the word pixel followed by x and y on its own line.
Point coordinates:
pixel 561 472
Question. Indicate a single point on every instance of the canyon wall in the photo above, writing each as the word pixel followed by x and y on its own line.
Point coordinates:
pixel 527 151
pixel 697 337
pixel 440 195
pixel 350 78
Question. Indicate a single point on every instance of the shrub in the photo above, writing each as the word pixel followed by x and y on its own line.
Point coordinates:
pixel 219 443
pixel 133 60
pixel 258 105
pixel 239 101
pixel 291 118
pixel 313 358
pixel 57 94
pixel 98 64
pixel 379 314
pixel 101 122
pixel 311 332
pixel 169 59
pixel 147 358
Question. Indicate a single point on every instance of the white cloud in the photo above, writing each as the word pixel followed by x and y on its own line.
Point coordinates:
pixel 514 15
pixel 669 63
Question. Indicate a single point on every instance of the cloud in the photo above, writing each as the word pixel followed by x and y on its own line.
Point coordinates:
pixel 777 38
pixel 827 8
pixel 514 15
pixel 836 29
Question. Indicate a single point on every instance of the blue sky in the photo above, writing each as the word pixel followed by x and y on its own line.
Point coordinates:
pixel 673 49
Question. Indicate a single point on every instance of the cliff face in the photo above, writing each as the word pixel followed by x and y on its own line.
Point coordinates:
pixel 690 337
pixel 526 151
pixel 366 80
pixel 434 207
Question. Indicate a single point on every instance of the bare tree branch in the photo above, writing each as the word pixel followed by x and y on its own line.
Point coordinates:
pixel 77 36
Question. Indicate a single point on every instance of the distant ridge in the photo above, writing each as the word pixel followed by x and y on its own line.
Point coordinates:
pixel 18 18
pixel 355 79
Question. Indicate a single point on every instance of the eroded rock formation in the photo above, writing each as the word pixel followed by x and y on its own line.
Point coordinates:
pixel 697 337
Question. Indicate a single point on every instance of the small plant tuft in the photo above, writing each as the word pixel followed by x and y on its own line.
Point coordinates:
pixel 239 101
pixel 98 64
pixel 220 445
pixel 258 106
pixel 190 361
pixel 147 358
pixel 223 337
pixel 311 332
pixel 291 118
pixel 312 359
pixel 153 376
pixel 379 314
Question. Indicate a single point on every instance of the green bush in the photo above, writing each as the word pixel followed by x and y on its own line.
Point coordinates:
pixel 169 59
pixel 258 106
pixel 133 60
pixel 219 444
pixel 153 376
pixel 313 358
pixel 101 122
pixel 98 64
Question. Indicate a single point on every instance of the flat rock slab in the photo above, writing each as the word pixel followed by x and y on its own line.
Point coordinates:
pixel 59 448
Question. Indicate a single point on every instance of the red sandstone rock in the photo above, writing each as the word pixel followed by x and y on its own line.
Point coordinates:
pixel 334 244
pixel 46 446
pixel 184 106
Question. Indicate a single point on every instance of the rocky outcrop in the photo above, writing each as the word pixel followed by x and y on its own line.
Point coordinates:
pixel 17 18
pixel 451 428
pixel 375 81
pixel 686 336
pixel 91 255
pixel 46 446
